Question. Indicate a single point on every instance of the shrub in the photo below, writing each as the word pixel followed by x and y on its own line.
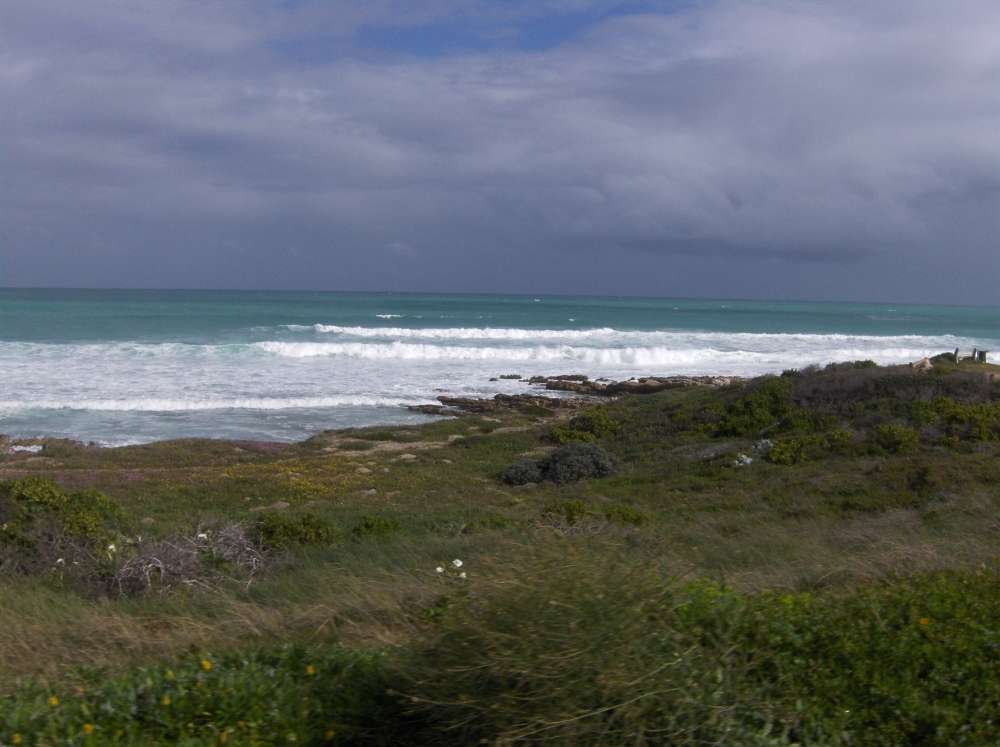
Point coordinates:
pixel 586 427
pixel 579 462
pixel 569 464
pixel 623 513
pixel 537 411
pixel 785 451
pixel 280 531
pixel 522 472
pixel 763 406
pixel 895 439
pixel 38 519
pixel 356 445
pixel 289 694
pixel 375 526
pixel 572 511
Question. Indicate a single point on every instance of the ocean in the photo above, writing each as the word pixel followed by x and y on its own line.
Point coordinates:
pixel 121 367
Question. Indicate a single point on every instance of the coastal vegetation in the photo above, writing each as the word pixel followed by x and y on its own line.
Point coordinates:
pixel 810 558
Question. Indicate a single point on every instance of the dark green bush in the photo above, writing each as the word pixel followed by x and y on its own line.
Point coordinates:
pixel 279 531
pixel 895 439
pixel 785 451
pixel 522 472
pixel 292 694
pixel 569 464
pixel 359 445
pixel 765 403
pixel 624 513
pixel 38 520
pixel 579 653
pixel 537 411
pixel 586 427
pixel 375 526
pixel 579 462
pixel 572 511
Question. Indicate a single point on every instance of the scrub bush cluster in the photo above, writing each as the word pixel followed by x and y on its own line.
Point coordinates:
pixel 570 464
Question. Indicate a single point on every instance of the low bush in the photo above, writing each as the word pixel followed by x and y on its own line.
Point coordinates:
pixel 586 427
pixel 625 513
pixel 785 451
pixel 585 654
pixel 572 511
pixel 375 526
pixel 39 523
pixel 292 694
pixel 569 464
pixel 895 439
pixel 279 531
pixel 359 445
pixel 522 472
pixel 766 402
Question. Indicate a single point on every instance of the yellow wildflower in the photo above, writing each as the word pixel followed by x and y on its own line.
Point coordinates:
pixel 924 621
pixel 165 700
pixel 53 701
pixel 16 739
pixel 88 728
pixel 206 664
pixel 310 669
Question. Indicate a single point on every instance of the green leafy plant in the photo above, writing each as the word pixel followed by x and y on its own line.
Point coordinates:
pixel 625 513
pixel 763 406
pixel 785 451
pixel 586 427
pixel 375 526
pixel 571 463
pixel 36 515
pixel 895 439
pixel 279 531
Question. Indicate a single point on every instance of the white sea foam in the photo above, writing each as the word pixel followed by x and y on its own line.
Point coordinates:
pixel 153 404
pixel 286 382
pixel 477 333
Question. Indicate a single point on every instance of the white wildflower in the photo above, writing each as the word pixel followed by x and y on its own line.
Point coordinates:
pixel 202 536
pixel 60 562
pixel 439 569
pixel 112 548
pixel 457 563
pixel 461 575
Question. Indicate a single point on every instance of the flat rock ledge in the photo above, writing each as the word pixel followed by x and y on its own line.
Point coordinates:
pixel 590 393
pixel 645 385
pixel 459 406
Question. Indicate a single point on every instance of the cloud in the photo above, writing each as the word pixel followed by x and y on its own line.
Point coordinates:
pixel 844 133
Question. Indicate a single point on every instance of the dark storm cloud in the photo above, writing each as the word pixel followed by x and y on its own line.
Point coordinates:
pixel 704 148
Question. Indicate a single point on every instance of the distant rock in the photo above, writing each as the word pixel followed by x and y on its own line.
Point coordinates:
pixel 362 470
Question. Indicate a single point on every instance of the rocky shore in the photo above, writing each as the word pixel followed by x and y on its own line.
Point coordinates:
pixel 589 392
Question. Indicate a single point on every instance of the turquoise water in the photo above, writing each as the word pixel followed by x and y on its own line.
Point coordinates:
pixel 120 367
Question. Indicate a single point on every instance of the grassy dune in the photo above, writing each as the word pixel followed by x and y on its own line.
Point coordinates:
pixel 808 559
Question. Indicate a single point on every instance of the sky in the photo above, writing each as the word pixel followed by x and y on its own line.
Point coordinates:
pixel 780 149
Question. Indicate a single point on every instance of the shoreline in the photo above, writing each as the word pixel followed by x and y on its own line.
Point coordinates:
pixel 576 391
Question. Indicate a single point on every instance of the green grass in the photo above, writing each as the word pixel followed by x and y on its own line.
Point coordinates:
pixel 698 597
